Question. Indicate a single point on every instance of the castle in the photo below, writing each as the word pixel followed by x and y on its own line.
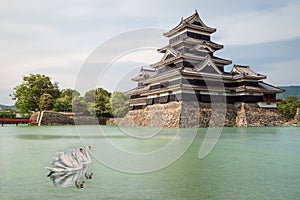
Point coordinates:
pixel 189 78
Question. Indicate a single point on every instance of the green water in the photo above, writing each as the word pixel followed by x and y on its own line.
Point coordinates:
pixel 246 163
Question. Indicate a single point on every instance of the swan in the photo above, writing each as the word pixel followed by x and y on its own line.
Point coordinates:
pixel 62 159
pixel 66 162
pixel 73 160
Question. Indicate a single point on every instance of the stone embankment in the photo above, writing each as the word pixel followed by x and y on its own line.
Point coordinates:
pixel 296 120
pixel 253 115
pixel 195 115
pixel 180 115
pixel 158 115
pixel 50 118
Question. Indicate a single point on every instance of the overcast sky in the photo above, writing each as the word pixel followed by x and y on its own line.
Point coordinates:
pixel 55 38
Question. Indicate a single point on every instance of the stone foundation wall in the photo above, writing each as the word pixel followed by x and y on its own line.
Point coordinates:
pixel 48 118
pixel 241 117
pixel 195 115
pixel 158 115
pixel 257 116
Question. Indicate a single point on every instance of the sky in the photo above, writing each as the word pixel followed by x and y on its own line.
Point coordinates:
pixel 59 38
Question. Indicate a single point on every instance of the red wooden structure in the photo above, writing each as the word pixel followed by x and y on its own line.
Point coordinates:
pixel 16 121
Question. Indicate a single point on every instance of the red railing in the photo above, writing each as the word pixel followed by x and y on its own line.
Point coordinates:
pixel 15 121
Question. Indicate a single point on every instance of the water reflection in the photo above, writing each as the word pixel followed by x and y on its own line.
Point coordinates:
pixel 71 178
pixel 54 137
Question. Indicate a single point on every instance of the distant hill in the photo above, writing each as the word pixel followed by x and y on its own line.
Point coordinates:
pixel 289 91
pixel 2 107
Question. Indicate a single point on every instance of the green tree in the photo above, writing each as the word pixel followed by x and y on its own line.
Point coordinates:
pixel 90 100
pixel 46 102
pixel 118 103
pixel 90 96
pixel 289 106
pixel 69 93
pixel 91 108
pixel 102 108
pixel 7 114
pixel 28 94
pixel 98 102
pixel 65 101
pixel 79 105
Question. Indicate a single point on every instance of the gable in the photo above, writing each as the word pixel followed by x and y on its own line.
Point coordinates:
pixel 209 67
pixel 195 20
pixel 197 23
pixel 168 55
pixel 141 73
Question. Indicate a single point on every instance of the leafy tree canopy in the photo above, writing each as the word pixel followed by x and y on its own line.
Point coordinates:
pixel 38 92
pixel 289 106
pixel 64 102
pixel 98 102
pixel 118 104
pixel 79 105
pixel 46 102
pixel 29 93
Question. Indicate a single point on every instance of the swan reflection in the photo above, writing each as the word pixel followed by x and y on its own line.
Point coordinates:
pixel 68 168
pixel 71 178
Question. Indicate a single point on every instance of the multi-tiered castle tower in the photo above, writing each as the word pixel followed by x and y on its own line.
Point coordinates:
pixel 189 71
pixel 189 67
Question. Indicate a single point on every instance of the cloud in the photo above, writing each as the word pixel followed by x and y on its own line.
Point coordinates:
pixel 284 73
pixel 262 54
pixel 56 37
pixel 260 26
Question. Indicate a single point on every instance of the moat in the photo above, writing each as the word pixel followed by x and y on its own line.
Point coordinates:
pixel 246 163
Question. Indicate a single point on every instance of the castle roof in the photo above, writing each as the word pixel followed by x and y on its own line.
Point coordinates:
pixel 245 71
pixel 144 74
pixel 269 88
pixel 192 22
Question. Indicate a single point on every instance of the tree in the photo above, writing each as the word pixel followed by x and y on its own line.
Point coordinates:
pixel 28 94
pixel 102 106
pixel 65 101
pixel 46 102
pixel 98 102
pixel 289 106
pixel 90 96
pixel 79 105
pixel 118 104
pixel 7 113
pixel 69 93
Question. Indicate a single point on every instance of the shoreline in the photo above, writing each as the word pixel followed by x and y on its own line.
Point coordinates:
pixel 51 118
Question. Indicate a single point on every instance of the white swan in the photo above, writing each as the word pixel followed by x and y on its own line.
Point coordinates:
pixel 61 159
pixel 71 161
